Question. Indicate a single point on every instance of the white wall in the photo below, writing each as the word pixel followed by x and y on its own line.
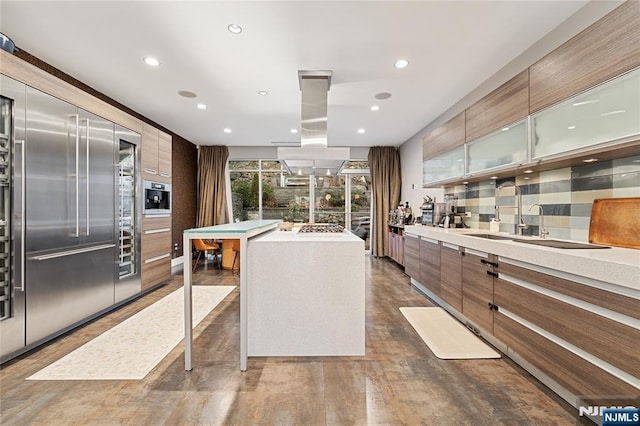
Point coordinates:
pixel 411 150
pixel 411 164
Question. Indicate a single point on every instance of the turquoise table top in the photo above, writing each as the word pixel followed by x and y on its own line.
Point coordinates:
pixel 238 227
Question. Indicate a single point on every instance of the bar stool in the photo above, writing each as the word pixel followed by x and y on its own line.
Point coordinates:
pixel 201 247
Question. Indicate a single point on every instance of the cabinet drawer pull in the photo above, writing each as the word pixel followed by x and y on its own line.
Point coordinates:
pixel 493 274
pixel 154 259
pixel 487 262
pixel 157 231
pixel 153 172
pixel 163 174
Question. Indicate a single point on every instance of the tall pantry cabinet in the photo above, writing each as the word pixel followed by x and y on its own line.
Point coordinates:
pixel 156 229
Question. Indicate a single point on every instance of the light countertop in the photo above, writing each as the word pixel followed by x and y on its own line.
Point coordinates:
pixel 294 236
pixel 618 266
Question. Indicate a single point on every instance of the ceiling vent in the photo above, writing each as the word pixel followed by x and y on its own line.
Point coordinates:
pixel 313 153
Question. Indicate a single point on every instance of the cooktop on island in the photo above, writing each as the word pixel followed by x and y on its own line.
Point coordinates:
pixel 321 228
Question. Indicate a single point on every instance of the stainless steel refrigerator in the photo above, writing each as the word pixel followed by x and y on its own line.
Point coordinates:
pixel 63 191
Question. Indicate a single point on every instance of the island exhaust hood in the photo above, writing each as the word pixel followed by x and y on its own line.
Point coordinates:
pixel 313 155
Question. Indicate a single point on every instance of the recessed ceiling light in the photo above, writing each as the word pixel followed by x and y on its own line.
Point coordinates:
pixel 361 131
pixel 294 130
pixel 571 127
pixel 465 183
pixel 201 106
pixel 383 95
pixel 374 108
pixel 234 28
pixel 504 129
pixel 401 63
pixel 493 177
pixel 526 178
pixel 151 61
pixel 227 130
pixel 187 94
pixel 590 160
pixel 263 93
pixel 528 171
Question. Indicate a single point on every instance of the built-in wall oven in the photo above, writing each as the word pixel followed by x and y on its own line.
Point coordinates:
pixel 157 198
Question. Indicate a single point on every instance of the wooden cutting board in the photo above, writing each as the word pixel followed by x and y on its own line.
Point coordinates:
pixel 615 222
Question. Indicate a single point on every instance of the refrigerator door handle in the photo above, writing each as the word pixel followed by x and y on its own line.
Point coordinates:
pixel 72 252
pixel 87 159
pixel 23 180
pixel 77 233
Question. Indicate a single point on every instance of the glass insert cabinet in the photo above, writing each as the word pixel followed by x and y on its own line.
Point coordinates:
pixel 127 263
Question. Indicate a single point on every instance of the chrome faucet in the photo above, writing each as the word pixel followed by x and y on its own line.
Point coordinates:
pixel 542 231
pixel 520 223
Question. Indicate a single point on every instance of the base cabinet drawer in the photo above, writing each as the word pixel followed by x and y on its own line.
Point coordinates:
pixel 430 265
pixel 412 256
pixel 451 275
pixel 572 372
pixel 155 271
pixel 611 341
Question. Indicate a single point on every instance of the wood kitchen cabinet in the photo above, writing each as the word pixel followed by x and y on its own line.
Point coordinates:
pixel 156 155
pixel 547 319
pixel 156 250
pixel 505 105
pixel 609 47
pixel 430 264
pixel 444 138
pixel 396 243
pixel 412 256
pixel 451 274
pixel 478 272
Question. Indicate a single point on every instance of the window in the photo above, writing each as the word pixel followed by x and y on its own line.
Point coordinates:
pixel 263 189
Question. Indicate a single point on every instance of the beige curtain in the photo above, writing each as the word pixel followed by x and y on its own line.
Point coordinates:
pixel 384 165
pixel 212 198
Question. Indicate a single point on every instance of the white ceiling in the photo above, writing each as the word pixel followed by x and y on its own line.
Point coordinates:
pixel 452 46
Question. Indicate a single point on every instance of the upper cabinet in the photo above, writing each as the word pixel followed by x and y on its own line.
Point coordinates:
pixel 607 114
pixel 164 154
pixel 581 99
pixel 505 105
pixel 450 135
pixel 156 154
pixel 609 47
pixel 505 147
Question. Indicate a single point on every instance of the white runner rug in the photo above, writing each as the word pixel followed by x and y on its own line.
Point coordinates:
pixel 445 336
pixel 131 349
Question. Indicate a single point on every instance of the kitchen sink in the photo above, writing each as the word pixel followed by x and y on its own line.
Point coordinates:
pixel 561 244
pixel 492 236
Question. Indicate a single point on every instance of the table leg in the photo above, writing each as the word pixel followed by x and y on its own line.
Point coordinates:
pixel 188 321
pixel 243 304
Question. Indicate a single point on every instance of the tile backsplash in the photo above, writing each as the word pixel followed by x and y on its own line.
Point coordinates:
pixel 566 196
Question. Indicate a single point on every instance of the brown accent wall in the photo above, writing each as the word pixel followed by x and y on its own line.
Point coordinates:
pixel 184 172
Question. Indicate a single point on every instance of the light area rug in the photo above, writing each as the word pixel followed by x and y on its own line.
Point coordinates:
pixel 445 336
pixel 131 349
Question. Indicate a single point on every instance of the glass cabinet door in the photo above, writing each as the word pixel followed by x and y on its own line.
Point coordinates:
pixel 126 210
pixel 608 112
pixel 5 210
pixel 505 147
pixel 446 166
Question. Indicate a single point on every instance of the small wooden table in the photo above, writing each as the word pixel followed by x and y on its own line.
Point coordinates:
pixel 242 231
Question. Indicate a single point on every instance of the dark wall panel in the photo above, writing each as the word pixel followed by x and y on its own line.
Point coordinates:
pixel 184 171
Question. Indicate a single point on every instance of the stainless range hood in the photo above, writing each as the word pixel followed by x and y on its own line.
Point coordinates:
pixel 314 156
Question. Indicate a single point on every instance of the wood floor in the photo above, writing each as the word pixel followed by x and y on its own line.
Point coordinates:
pixel 399 381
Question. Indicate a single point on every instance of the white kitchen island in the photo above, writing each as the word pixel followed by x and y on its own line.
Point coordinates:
pixel 305 294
